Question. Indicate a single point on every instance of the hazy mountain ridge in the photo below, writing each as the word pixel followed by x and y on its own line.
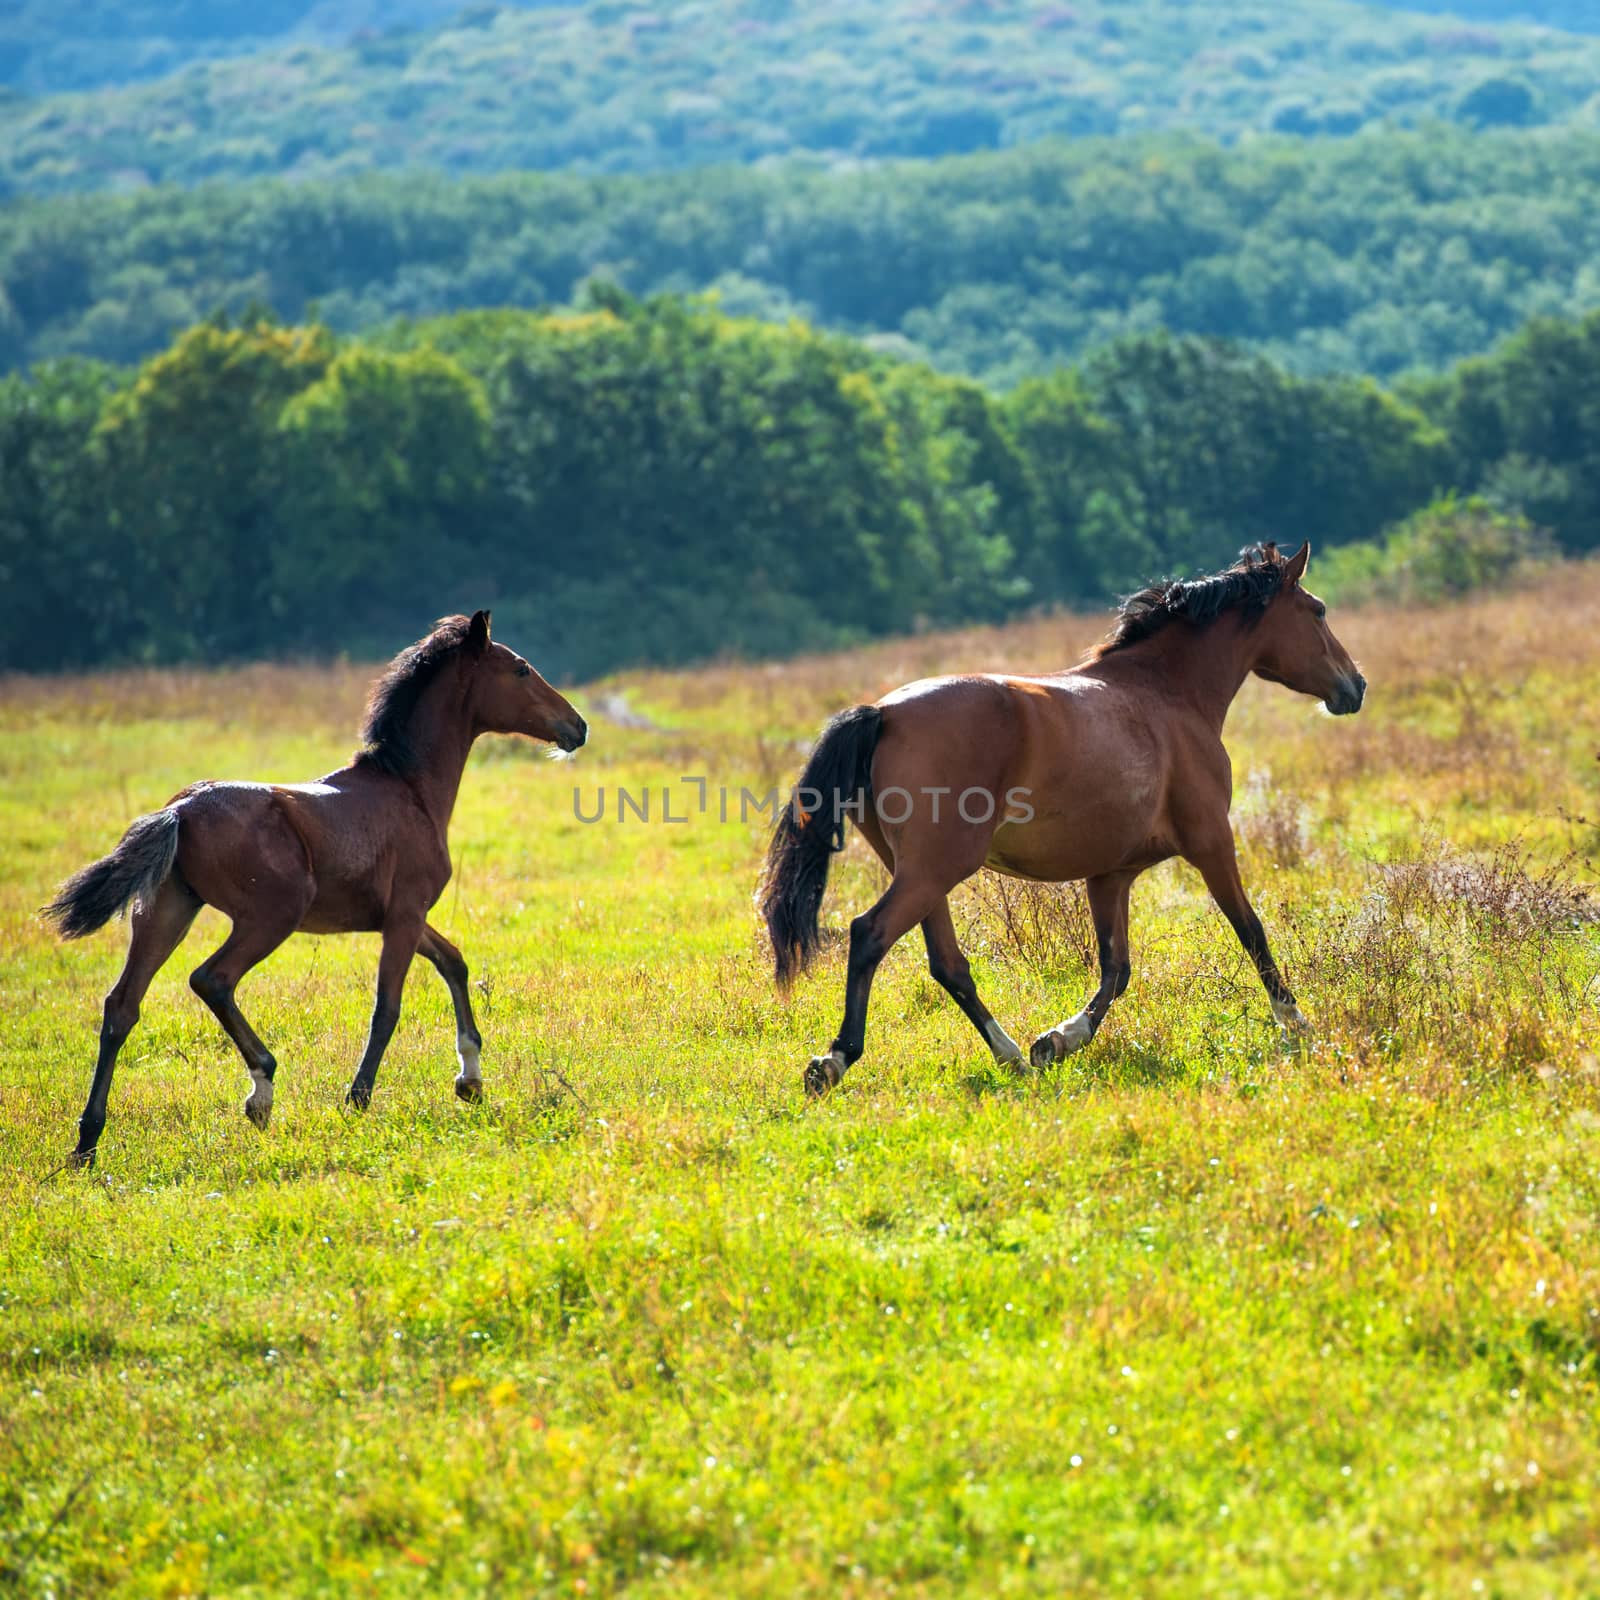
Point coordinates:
pixel 608 87
pixel 1380 253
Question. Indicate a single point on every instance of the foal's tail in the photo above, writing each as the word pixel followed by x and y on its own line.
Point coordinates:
pixel 138 866
pixel 809 830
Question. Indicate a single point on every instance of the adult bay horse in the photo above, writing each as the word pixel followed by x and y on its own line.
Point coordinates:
pixel 1094 773
pixel 363 851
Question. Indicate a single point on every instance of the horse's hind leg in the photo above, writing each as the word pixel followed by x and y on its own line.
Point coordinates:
pixel 158 927
pixel 469 1042
pixel 215 979
pixel 949 966
pixel 909 899
pixel 1108 904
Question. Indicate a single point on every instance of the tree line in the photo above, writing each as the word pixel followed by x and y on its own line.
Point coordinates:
pixel 1375 254
pixel 655 481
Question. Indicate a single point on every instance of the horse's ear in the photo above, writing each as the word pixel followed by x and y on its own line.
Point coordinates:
pixel 1295 570
pixel 478 632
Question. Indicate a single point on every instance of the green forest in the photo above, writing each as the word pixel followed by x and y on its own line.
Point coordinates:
pixel 614 87
pixel 746 326
pixel 1378 254
pixel 656 481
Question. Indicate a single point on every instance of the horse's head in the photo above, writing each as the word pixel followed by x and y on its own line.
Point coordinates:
pixel 508 696
pixel 1296 647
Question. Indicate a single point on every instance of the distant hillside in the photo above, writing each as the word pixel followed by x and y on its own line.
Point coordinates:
pixel 1376 254
pixel 1576 16
pixel 51 45
pixel 609 87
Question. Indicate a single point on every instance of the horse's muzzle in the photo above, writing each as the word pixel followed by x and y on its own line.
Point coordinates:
pixel 572 735
pixel 1347 698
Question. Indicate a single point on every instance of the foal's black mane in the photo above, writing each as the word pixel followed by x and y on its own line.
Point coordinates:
pixel 1249 585
pixel 394 697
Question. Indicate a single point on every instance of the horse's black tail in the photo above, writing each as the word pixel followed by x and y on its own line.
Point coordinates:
pixel 837 777
pixel 138 866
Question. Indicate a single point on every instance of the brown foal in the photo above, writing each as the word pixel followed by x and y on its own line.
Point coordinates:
pixel 363 851
pixel 1095 773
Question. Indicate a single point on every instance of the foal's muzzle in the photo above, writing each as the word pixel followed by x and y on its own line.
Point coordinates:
pixel 571 734
pixel 1347 698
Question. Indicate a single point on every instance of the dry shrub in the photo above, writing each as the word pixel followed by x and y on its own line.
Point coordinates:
pixel 1444 944
pixel 1507 897
pixel 1045 925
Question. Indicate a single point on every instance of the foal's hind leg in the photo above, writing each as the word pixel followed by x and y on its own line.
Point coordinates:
pixel 949 966
pixel 214 980
pixel 158 929
pixel 469 1042
pixel 1108 904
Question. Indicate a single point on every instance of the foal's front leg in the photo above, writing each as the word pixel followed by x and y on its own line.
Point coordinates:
pixel 1108 905
pixel 400 940
pixel 452 967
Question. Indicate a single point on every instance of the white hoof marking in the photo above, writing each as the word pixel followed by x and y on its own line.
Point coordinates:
pixel 1006 1049
pixel 467 1054
pixel 1290 1017
pixel 259 1106
pixel 1075 1033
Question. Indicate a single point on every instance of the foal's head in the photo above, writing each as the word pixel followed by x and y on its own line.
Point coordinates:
pixel 505 694
pixel 458 673
pixel 1296 647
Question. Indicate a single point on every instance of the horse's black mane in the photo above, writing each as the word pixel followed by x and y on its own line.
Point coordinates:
pixel 394 696
pixel 1249 586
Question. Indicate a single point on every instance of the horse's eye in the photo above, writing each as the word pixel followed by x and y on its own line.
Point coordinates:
pixel 1319 611
pixel 523 669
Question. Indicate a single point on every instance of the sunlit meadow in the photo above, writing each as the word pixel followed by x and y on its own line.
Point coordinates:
pixel 1185 1316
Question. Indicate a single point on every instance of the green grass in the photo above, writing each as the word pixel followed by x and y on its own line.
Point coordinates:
pixel 1183 1317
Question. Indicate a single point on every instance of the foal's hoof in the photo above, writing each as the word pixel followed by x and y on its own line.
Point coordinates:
pixel 1059 1043
pixel 470 1090
pixel 81 1160
pixel 822 1074
pixel 259 1113
pixel 358 1099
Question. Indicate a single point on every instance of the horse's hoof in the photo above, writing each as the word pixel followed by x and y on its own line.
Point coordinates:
pixel 470 1090
pixel 1059 1043
pixel 1295 1033
pixel 260 1115
pixel 358 1099
pixel 822 1074
pixel 1046 1050
pixel 81 1160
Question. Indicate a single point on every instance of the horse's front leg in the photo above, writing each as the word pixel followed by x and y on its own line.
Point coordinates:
pixel 401 937
pixel 1219 866
pixel 1108 905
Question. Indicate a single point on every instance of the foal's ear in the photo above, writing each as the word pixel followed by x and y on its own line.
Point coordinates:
pixel 478 632
pixel 1295 569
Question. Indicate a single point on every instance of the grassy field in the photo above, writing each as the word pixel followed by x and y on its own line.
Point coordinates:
pixel 1183 1317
